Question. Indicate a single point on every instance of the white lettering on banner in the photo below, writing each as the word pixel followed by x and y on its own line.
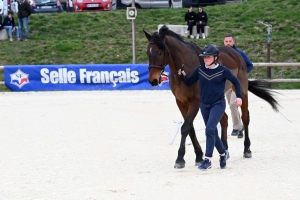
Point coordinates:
pixel 60 76
pixel 108 77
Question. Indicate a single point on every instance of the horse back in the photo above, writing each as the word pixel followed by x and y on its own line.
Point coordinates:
pixel 233 60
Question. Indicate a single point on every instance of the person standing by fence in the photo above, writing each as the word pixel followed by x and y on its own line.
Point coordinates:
pixel 24 11
pixel 238 127
pixel 1 22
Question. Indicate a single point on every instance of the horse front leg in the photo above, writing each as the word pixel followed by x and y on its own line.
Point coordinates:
pixel 197 147
pixel 246 121
pixel 189 112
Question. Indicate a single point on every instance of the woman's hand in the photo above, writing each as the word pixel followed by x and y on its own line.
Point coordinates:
pixel 181 72
pixel 238 102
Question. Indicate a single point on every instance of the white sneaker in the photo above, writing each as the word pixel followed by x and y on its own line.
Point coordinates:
pixel 197 36
pixel 11 39
pixel 191 36
pixel 186 31
pixel 203 35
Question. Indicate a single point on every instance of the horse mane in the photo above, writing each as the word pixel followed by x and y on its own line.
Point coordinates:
pixel 164 28
pixel 156 39
pixel 169 32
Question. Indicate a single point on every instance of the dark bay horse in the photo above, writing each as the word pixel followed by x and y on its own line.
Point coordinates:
pixel 167 47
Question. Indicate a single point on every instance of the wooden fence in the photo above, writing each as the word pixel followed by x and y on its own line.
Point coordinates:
pixel 256 65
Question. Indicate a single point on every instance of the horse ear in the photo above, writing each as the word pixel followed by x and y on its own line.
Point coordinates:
pixel 148 36
pixel 163 33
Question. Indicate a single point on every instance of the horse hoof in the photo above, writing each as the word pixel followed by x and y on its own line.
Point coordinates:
pixel 227 154
pixel 248 155
pixel 197 164
pixel 179 165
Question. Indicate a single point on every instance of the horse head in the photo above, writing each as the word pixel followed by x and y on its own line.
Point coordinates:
pixel 157 52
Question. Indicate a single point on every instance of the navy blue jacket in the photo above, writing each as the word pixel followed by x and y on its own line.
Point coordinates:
pixel 247 60
pixel 212 83
pixel 9 22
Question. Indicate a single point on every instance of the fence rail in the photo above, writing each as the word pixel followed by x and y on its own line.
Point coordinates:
pixel 276 64
pixel 256 65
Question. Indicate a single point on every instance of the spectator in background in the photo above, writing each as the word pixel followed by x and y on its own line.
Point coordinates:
pixel 24 11
pixel 190 18
pixel 201 21
pixel 238 127
pixel 0 21
pixel 9 24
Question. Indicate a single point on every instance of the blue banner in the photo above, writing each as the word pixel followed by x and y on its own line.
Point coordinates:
pixel 79 77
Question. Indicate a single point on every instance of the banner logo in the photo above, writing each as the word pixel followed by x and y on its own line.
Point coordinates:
pixel 19 78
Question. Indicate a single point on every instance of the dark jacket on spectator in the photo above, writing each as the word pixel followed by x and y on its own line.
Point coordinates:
pixel 190 16
pixel 24 9
pixel 247 60
pixel 0 22
pixel 9 22
pixel 201 16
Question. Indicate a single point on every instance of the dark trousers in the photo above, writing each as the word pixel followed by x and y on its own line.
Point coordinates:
pixel 190 27
pixel 200 26
pixel 212 114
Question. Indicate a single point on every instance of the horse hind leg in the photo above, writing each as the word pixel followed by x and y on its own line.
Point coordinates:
pixel 224 127
pixel 246 120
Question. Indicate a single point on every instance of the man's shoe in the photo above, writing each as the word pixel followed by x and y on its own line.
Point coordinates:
pixel 186 31
pixel 241 134
pixel 11 39
pixel 191 36
pixel 234 132
pixel 206 164
pixel 223 161
pixel 26 40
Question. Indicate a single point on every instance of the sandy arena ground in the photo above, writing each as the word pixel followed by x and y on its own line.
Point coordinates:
pixel 115 145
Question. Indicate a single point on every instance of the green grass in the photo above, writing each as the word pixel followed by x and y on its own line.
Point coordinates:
pixel 106 37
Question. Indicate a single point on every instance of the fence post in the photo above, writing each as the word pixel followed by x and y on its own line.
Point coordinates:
pixel 269 59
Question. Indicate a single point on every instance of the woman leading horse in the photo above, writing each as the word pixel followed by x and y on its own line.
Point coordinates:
pixel 169 48
pixel 212 78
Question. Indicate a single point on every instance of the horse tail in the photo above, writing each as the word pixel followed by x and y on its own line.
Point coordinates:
pixel 258 88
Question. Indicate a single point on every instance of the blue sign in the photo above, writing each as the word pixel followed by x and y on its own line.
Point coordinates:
pixel 79 77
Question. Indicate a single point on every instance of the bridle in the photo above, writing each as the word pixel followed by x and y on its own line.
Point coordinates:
pixel 162 67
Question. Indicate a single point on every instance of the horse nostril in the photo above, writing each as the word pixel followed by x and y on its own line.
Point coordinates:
pixel 154 82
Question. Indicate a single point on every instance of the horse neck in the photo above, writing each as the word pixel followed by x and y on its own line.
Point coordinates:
pixel 181 53
pixel 176 50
